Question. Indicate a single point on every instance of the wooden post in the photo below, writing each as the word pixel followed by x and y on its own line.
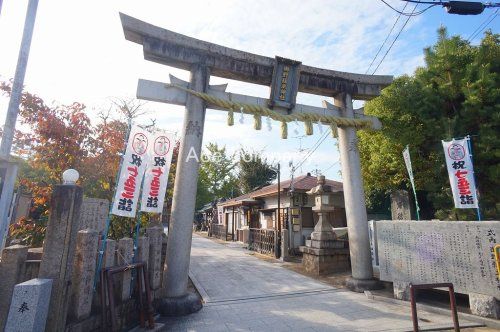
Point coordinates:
pixel 232 226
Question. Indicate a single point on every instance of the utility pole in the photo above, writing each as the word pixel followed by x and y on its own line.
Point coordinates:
pixel 279 197
pixel 8 169
pixel 278 234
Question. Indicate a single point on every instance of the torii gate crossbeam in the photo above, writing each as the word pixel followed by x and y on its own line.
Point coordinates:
pixel 286 78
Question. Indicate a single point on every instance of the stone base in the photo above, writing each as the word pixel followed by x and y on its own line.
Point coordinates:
pixel 401 290
pixel 325 261
pixel 484 305
pixel 180 306
pixel 361 285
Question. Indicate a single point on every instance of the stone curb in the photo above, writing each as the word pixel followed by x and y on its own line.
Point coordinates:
pixel 199 288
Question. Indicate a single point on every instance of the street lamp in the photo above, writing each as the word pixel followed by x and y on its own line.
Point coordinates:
pixel 70 176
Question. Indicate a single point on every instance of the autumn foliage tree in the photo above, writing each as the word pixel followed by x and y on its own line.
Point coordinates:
pixel 55 138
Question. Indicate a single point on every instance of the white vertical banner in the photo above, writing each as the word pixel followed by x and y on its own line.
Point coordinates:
pixel 406 157
pixel 156 176
pixel 132 170
pixel 461 173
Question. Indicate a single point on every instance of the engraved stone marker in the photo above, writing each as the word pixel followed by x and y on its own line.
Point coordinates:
pixel 29 307
pixel 460 252
pixel 93 213
pixel 83 274
pixel 154 263
pixel 125 254
pixel 59 250
pixel 400 205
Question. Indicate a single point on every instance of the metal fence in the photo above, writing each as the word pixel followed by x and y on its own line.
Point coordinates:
pixel 263 241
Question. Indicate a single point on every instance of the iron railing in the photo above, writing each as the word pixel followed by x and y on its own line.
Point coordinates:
pixel 453 304
pixel 263 241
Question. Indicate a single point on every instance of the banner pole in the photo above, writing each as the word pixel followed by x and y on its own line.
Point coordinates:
pixel 469 144
pixel 416 203
pixel 136 237
pixel 108 219
pixel 412 181
pixel 138 221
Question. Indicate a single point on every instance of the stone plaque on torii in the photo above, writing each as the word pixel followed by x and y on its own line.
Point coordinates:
pixel 286 78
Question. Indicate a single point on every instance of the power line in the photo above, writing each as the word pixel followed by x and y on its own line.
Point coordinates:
pixel 426 2
pixel 444 4
pixel 413 12
pixel 315 147
pixel 397 36
pixel 480 28
pixel 335 163
pixel 386 38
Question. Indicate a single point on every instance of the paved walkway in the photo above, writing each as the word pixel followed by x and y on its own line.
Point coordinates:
pixel 245 293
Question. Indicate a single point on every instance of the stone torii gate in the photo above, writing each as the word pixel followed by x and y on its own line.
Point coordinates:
pixel 286 78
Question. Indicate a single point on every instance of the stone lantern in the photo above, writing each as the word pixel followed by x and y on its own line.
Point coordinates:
pixel 323 203
pixel 324 252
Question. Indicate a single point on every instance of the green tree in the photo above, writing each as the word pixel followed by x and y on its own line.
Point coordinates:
pixel 217 177
pixel 254 171
pixel 455 94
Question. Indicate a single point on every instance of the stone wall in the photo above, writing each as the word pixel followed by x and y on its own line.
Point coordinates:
pixel 460 252
pixel 457 252
pixel 85 308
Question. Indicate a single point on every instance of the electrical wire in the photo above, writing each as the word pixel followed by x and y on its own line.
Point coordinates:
pixel 394 41
pixel 313 149
pixel 386 38
pixel 335 163
pixel 480 28
pixel 308 154
pixel 413 12
pixel 427 2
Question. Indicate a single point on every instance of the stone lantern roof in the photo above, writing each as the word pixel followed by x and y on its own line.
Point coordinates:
pixel 321 187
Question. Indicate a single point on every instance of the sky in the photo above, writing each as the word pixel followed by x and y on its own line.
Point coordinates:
pixel 79 53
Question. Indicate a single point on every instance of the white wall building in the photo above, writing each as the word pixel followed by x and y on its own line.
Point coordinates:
pixel 258 209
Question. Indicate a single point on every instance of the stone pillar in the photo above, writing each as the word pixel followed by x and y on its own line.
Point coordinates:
pixel 59 250
pixel 109 254
pixel 142 253
pixel 29 308
pixel 11 267
pixel 82 281
pixel 184 198
pixel 125 255
pixel 142 249
pixel 108 260
pixel 154 261
pixel 284 245
pixel 354 197
pixel 400 205
pixel 94 213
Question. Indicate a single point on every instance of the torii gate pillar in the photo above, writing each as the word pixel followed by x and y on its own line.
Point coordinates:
pixel 354 197
pixel 286 78
pixel 175 280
